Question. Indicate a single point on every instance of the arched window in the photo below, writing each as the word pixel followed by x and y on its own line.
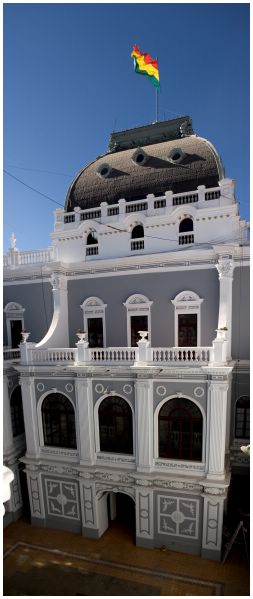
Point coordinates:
pixel 186 235
pixel 91 244
pixel 137 238
pixel 242 418
pixel 180 425
pixel 17 416
pixel 58 420
pixel 91 239
pixel 137 232
pixel 186 225
pixel 115 425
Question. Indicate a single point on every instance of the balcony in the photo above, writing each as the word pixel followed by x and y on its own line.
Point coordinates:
pixel 129 356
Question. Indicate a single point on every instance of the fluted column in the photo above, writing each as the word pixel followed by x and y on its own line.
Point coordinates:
pixel 144 425
pixel 217 416
pixel 85 420
pixel 225 269
pixel 30 416
pixel 7 426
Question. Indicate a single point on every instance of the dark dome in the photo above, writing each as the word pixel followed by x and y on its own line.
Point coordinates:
pixel 179 164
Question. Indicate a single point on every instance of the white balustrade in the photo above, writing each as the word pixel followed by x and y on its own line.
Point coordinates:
pixel 49 356
pixel 36 256
pixel 113 354
pixel 123 355
pixel 181 355
pixel 11 354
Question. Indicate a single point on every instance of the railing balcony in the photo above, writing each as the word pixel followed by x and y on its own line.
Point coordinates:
pixel 131 356
pixel 186 239
pixel 11 353
pixel 137 244
pixel 92 250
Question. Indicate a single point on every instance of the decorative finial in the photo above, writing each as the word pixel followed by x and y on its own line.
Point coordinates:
pixel 13 241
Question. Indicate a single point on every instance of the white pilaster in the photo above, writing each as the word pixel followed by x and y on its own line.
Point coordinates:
pixel 35 490
pixel 212 525
pixel 225 269
pixel 89 506
pixel 7 426
pixel 30 416
pixel 144 425
pixel 144 516
pixel 85 420
pixel 217 415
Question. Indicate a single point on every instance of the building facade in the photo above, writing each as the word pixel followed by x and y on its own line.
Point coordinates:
pixel 126 360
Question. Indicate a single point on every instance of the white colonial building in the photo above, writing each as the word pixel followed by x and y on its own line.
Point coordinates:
pixel 134 370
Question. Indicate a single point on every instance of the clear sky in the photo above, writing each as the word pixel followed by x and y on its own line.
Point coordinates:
pixel 69 82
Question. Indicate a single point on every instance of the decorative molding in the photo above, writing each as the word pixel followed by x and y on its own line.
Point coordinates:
pixel 199 392
pixel 178 516
pixel 58 282
pixel 62 499
pixel 128 389
pixel 225 268
pixel 161 390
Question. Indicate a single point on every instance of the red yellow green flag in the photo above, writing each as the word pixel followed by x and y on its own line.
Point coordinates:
pixel 145 65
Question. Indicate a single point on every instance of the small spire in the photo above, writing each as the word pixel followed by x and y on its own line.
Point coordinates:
pixel 13 241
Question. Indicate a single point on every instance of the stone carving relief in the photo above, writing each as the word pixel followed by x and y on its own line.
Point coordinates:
pixel 225 267
pixel 35 496
pixel 178 516
pixel 144 515
pixel 199 391
pixel 62 499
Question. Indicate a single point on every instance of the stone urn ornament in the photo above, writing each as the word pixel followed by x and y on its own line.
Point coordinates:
pixel 82 336
pixel 143 334
pixel 25 335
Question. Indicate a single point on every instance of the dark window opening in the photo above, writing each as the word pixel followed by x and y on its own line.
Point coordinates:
pixel 95 332
pixel 138 323
pixel 137 232
pixel 104 171
pixel 58 418
pixel 180 426
pixel 115 426
pixel 187 330
pixel 139 158
pixel 186 225
pixel 242 418
pixel 176 156
pixel 16 328
pixel 17 416
pixel 91 239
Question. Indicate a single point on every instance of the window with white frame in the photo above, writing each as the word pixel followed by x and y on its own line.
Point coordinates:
pixel 14 314
pixel 115 425
pixel 138 318
pixel 94 321
pixel 187 305
pixel 58 421
pixel 180 430
pixel 242 418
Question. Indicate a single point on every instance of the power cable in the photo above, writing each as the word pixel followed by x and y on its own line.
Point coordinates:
pixel 33 188
pixel 38 170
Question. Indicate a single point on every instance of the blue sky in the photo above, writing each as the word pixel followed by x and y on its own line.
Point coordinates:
pixel 69 82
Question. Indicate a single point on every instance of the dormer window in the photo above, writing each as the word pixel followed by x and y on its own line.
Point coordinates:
pixel 91 244
pixel 137 238
pixel 140 157
pixel 104 170
pixel 185 236
pixel 176 155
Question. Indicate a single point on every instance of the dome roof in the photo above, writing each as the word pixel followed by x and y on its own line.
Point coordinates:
pixel 136 166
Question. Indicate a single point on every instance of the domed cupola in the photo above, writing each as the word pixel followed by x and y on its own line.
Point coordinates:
pixel 152 159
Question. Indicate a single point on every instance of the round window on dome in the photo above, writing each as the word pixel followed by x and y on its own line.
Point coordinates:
pixel 104 170
pixel 176 155
pixel 140 157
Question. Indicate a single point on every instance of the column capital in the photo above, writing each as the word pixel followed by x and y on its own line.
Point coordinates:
pixel 220 386
pixel 225 267
pixel 58 282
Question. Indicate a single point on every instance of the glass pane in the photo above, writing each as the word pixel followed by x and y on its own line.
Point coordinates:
pixel 95 332
pixel 187 330
pixel 138 323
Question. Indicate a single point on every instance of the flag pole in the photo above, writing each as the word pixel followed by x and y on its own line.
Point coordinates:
pixel 156 102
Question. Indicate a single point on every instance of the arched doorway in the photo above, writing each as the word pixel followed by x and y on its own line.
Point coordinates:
pixel 117 515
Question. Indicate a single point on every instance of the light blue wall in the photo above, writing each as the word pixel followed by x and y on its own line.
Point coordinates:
pixel 37 300
pixel 160 288
pixel 241 314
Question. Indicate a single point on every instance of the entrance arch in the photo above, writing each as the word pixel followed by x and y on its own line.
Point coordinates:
pixel 116 511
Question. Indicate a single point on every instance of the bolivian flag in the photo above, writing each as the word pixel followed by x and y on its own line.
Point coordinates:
pixel 145 65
